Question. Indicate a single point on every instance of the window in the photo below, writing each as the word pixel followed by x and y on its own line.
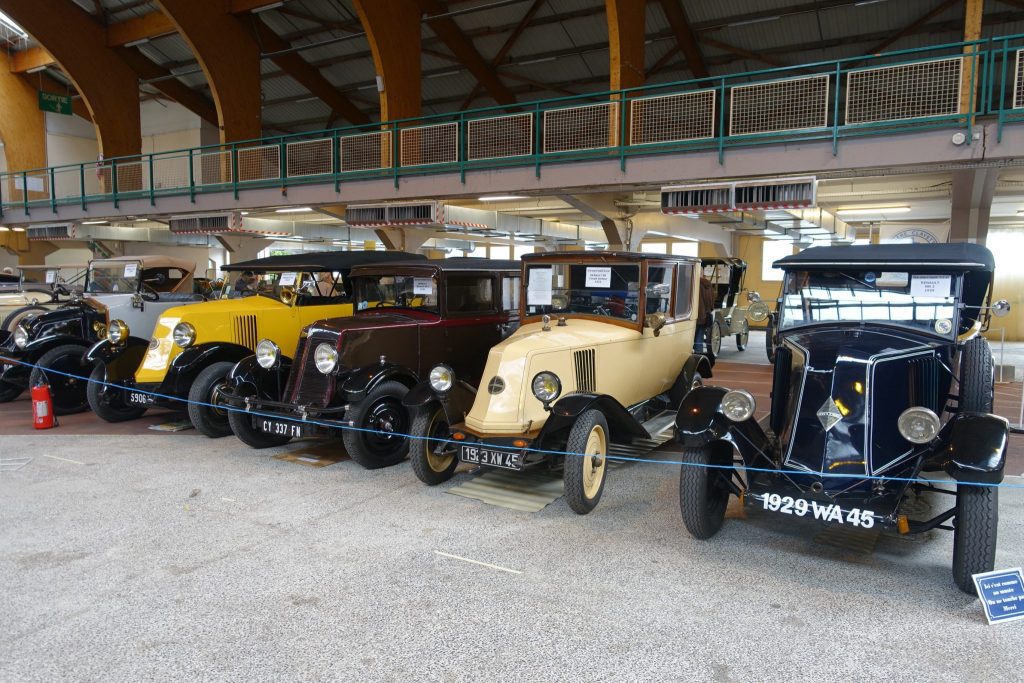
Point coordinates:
pixel 592 289
pixel 654 247
pixel 772 251
pixel 510 293
pixel 685 249
pixel 659 289
pixel 684 291
pixel 470 294
pixel 519 251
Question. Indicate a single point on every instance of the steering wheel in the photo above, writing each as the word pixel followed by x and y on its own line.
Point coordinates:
pixel 382 303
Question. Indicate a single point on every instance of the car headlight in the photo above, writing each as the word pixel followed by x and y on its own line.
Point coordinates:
pixel 20 337
pixel 758 311
pixel 326 358
pixel 117 333
pixel 442 378
pixel 267 354
pixel 738 405
pixel 546 386
pixel 918 424
pixel 184 335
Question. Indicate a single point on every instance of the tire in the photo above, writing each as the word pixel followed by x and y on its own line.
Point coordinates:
pixel 974 534
pixel 743 337
pixel 209 421
pixel 9 392
pixel 977 379
pixel 702 500
pixel 241 426
pixel 585 475
pixel 19 314
pixel 109 402
pixel 372 418
pixel 769 340
pixel 69 393
pixel 715 338
pixel 432 468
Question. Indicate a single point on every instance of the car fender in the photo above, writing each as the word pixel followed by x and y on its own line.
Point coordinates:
pixel 975 449
pixel 456 402
pixel 193 359
pixel 4 336
pixel 697 363
pixel 249 378
pixel 363 380
pixel 121 360
pixel 622 425
pixel 700 422
pixel 37 347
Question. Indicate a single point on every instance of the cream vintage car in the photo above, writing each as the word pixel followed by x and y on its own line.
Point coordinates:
pixel 37 289
pixel 604 355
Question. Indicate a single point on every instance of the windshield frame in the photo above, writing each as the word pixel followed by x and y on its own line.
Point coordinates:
pixel 107 263
pixel 414 273
pixel 228 291
pixel 957 303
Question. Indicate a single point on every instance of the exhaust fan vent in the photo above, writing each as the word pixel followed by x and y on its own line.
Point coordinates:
pixel 193 224
pixel 61 231
pixel 696 199
pixel 398 213
pixel 784 193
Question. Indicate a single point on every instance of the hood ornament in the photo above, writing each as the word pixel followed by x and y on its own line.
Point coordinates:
pixel 829 414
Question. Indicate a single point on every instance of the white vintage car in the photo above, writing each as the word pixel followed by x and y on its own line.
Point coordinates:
pixel 36 289
pixel 604 355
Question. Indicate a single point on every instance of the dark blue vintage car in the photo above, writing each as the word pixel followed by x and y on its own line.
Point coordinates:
pixel 881 378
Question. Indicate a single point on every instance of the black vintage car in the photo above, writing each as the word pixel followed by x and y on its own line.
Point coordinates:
pixel 881 380
pixel 350 374
pixel 729 317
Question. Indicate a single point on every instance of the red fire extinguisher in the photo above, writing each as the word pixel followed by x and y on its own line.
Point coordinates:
pixel 42 407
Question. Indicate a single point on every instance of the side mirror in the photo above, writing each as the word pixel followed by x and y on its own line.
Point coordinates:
pixel 758 311
pixel 656 321
pixel 1001 308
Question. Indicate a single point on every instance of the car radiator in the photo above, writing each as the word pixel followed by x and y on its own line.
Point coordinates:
pixel 586 370
pixel 246 333
pixel 308 386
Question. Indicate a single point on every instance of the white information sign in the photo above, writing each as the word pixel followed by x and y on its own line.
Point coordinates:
pixel 599 277
pixel 51 277
pixel 288 279
pixel 538 289
pixel 131 269
pixel 422 286
pixel 930 285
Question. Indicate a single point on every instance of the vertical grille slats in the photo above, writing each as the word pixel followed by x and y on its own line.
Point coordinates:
pixel 246 333
pixel 586 370
pixel 307 386
pixel 924 382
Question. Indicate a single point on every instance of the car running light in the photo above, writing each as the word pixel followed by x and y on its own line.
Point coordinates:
pixel 546 386
pixel 20 337
pixel 326 358
pixel 738 405
pixel 918 424
pixel 117 333
pixel 184 335
pixel 267 354
pixel 442 378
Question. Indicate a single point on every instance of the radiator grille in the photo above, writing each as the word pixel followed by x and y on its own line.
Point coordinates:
pixel 245 331
pixel 924 383
pixel 308 386
pixel 586 373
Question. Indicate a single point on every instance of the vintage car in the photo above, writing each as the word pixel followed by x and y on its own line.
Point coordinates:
pixel 728 317
pixel 132 290
pixel 192 349
pixel 350 374
pixel 881 378
pixel 604 354
pixel 37 289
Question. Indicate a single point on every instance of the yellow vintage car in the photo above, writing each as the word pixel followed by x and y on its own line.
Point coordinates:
pixel 194 347
pixel 604 355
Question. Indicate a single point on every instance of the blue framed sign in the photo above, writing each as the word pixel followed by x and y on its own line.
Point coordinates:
pixel 1002 594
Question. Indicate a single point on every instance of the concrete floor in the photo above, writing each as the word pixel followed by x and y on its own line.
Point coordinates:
pixel 141 555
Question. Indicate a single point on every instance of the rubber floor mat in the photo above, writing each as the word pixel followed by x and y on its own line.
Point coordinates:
pixel 316 454
pixel 523 491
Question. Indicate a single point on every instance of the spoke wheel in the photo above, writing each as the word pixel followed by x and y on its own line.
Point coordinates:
pixel 67 378
pixel 434 458
pixel 380 423
pixel 586 466
pixel 743 337
pixel 716 338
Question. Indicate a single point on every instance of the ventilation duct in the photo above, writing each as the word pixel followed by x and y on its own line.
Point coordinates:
pixel 748 195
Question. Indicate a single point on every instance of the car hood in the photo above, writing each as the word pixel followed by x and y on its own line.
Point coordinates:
pixel 335 327
pixel 839 391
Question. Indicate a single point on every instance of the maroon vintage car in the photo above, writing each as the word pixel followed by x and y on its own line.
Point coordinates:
pixel 350 374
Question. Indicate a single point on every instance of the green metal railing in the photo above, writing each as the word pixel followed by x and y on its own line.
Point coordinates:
pixel 944 86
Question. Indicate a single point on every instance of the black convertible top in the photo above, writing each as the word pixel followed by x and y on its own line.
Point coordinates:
pixel 318 261
pixel 958 256
pixel 457 263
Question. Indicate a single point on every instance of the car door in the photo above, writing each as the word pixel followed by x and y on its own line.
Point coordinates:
pixel 472 321
pixel 670 291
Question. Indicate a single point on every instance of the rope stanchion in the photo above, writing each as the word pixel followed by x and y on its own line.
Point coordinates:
pixel 540 451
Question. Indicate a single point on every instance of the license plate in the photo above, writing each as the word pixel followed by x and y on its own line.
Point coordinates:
pixel 279 427
pixel 139 398
pixel 490 457
pixel 825 512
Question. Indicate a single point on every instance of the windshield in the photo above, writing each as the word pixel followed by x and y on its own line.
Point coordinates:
pixel 922 301
pixel 48 278
pixel 310 288
pixel 405 291
pixel 107 277
pixel 611 291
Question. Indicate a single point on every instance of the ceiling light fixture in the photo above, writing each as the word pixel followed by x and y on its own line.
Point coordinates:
pixel 501 198
pixel 297 209
pixel 872 211
pixel 95 222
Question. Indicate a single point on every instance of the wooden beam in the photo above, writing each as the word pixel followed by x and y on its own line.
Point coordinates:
pixel 626 48
pixel 151 25
pixel 513 38
pixel 685 37
pixel 393 31
pixel 32 58
pixel 191 99
pixel 22 124
pixel 973 13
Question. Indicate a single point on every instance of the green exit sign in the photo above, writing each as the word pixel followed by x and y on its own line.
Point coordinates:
pixel 58 104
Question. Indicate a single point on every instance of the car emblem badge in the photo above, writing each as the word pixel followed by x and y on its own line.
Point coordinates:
pixel 828 414
pixel 496 385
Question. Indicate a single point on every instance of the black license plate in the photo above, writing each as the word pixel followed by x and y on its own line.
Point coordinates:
pixel 139 398
pixel 279 427
pixel 490 457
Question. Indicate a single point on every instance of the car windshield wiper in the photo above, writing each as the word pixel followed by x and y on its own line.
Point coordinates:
pixel 860 282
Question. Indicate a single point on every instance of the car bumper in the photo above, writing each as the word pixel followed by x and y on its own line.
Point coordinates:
pixel 504 451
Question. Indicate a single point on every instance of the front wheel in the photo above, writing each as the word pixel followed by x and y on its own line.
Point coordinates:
pixel 241 425
pixel 974 534
pixel 977 377
pixel 434 458
pixel 702 496
pixel 379 423
pixel 109 402
pixel 586 462
pixel 205 411
pixel 716 338
pixel 63 370
pixel 743 337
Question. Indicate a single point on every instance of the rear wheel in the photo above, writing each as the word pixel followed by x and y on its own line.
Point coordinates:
pixel 19 314
pixel 743 337
pixel 715 341
pixel 379 425
pixel 109 402
pixel 205 411
pixel 703 497
pixel 434 458
pixel 974 534
pixel 977 381
pixel 62 368
pixel 587 464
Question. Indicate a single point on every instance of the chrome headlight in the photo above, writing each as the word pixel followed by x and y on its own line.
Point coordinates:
pixel 546 386
pixel 738 405
pixel 758 311
pixel 267 354
pixel 326 358
pixel 184 335
pixel 918 424
pixel 442 378
pixel 20 337
pixel 117 333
